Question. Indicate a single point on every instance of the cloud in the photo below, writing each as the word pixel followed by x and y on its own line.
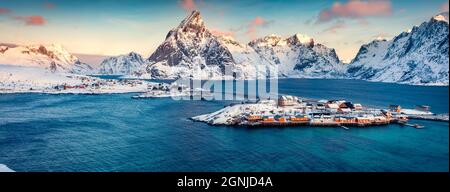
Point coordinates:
pixel 354 9
pixel 188 5
pixel 444 7
pixel 252 28
pixel 218 32
pixel 335 27
pixel 4 10
pixel 34 20
pixel 258 21
pixel 49 5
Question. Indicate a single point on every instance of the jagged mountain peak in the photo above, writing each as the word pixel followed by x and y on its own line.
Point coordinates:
pixel 300 39
pixel 134 55
pixel 276 40
pixel 298 56
pixel 191 26
pixel 194 20
pixel 272 40
pixel 228 40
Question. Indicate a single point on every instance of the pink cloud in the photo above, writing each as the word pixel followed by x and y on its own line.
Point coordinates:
pixel 35 20
pixel 49 5
pixel 218 32
pixel 4 10
pixel 444 7
pixel 254 24
pixel 356 9
pixel 258 21
pixel 188 5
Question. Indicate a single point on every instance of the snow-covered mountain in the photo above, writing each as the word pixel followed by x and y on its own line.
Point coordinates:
pixel 122 64
pixel 52 57
pixel 418 56
pixel 246 60
pixel 299 56
pixel 190 50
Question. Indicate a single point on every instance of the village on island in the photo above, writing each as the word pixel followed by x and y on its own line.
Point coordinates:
pixel 292 111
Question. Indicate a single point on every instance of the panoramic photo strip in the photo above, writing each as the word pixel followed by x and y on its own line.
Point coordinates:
pixel 219 86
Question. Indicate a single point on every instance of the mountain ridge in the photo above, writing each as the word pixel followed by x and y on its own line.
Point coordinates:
pixel 53 57
pixel 190 50
pixel 418 56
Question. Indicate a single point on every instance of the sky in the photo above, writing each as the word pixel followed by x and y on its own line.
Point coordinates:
pixel 113 27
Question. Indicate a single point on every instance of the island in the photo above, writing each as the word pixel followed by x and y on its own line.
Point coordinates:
pixel 293 111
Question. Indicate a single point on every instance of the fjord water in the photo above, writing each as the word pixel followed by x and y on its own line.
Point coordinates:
pixel 40 132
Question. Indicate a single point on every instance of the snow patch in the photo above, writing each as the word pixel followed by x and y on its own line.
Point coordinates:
pixel 441 17
pixel 4 168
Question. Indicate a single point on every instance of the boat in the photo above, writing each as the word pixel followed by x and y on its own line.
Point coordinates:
pixel 417 126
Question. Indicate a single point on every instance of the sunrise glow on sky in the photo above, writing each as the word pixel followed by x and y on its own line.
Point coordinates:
pixel 107 27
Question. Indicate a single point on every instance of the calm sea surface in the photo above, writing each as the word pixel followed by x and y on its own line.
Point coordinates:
pixel 40 132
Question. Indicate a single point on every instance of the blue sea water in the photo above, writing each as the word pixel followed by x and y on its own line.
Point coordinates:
pixel 40 132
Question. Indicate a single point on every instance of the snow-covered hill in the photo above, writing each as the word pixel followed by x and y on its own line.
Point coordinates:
pixel 419 56
pixel 51 57
pixel 299 56
pixel 121 65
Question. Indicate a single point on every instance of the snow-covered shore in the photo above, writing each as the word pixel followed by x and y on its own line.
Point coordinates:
pixel 20 79
pixel 227 115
